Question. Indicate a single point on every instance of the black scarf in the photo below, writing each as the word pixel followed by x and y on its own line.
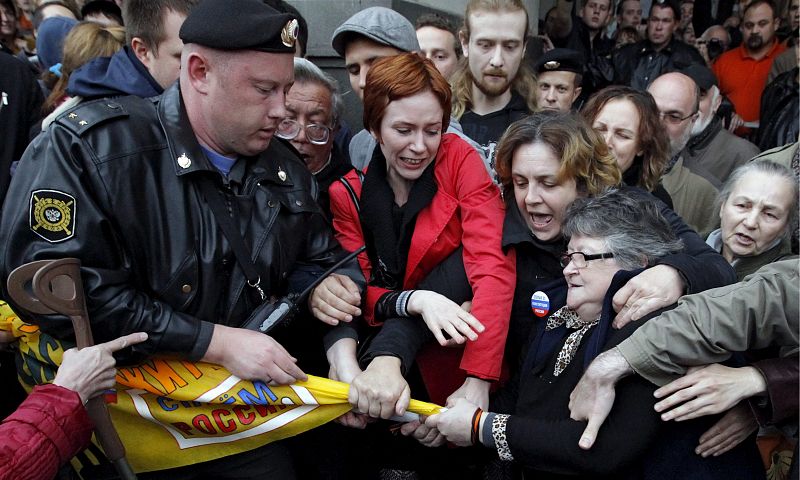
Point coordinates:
pixel 387 248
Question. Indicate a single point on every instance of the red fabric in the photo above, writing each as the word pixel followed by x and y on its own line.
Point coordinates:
pixel 742 78
pixel 48 429
pixel 466 210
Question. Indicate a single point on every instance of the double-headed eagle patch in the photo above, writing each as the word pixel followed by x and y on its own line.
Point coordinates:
pixel 52 215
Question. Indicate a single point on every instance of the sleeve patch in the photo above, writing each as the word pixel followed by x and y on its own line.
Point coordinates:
pixel 52 215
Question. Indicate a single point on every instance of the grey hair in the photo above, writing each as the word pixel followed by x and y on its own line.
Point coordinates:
pixel 631 226
pixel 307 72
pixel 766 167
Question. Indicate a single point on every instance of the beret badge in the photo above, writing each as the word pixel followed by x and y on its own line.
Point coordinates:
pixel 289 33
pixel 552 65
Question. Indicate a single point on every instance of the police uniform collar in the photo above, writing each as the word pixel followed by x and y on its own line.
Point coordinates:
pixel 185 151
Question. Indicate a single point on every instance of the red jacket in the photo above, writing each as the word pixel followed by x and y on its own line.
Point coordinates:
pixel 50 427
pixel 466 210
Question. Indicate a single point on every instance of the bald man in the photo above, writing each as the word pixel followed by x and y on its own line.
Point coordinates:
pixel 693 196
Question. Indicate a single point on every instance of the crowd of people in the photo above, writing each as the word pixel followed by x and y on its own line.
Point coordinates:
pixel 582 243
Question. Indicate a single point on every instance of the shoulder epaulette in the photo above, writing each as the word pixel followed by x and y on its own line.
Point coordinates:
pixel 88 115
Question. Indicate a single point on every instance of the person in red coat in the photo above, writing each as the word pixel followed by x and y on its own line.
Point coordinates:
pixel 425 204
pixel 52 425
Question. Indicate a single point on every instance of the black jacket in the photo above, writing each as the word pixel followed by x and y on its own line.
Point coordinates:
pixel 598 70
pixel 639 64
pixel 780 108
pixel 633 442
pixel 538 265
pixel 20 113
pixel 115 184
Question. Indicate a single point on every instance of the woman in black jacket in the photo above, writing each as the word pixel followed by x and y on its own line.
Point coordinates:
pixel 612 237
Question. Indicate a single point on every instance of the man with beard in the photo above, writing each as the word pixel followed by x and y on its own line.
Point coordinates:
pixel 742 72
pixel 493 88
pixel 693 196
pixel 638 64
pixel 712 148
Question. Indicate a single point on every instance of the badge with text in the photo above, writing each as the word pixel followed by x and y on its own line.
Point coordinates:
pixel 52 215
pixel 540 304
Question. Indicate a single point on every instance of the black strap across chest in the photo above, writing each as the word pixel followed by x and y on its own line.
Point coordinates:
pixel 238 244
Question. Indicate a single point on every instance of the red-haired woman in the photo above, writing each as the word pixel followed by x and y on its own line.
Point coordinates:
pixel 431 219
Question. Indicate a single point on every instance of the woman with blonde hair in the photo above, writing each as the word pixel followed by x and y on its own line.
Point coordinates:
pixel 86 41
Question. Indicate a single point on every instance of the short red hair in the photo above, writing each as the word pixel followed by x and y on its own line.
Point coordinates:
pixel 401 76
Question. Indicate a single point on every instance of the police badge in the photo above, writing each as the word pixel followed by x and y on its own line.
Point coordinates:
pixel 290 32
pixel 52 215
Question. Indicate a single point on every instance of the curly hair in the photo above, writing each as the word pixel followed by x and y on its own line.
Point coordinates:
pixel 651 139
pixel 584 155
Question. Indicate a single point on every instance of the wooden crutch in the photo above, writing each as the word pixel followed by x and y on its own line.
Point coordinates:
pixel 46 287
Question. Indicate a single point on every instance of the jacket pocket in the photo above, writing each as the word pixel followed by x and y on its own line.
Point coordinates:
pixel 298 201
pixel 181 289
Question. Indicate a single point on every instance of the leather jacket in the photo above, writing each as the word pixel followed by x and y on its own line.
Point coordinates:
pixel 154 258
pixel 638 64
pixel 780 104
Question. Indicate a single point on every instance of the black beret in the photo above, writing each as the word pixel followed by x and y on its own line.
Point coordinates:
pixel 560 60
pixel 240 25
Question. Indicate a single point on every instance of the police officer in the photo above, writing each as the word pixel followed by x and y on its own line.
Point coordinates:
pixel 559 75
pixel 185 212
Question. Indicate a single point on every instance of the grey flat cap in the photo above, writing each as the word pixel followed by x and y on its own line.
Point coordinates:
pixel 378 24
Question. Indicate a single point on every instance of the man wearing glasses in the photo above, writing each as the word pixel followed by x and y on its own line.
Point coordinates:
pixel 693 195
pixel 314 107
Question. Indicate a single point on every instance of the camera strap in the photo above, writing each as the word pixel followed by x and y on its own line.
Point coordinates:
pixel 240 249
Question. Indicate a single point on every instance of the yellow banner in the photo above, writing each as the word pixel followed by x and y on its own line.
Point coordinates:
pixel 171 413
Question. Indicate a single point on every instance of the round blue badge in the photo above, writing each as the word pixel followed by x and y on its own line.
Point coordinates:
pixel 540 304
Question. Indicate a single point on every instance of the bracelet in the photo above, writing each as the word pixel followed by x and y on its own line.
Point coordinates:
pixel 499 434
pixel 476 423
pixel 402 303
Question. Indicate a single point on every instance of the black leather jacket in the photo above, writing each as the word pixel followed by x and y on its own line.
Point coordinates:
pixel 637 65
pixel 154 258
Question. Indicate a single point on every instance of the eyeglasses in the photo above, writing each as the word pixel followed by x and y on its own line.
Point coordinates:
pixel 316 133
pixel 674 117
pixel 579 259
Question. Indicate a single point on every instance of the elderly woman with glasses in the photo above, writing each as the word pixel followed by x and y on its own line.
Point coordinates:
pixel 612 237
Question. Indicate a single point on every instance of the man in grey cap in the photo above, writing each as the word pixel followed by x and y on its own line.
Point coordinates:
pixel 370 34
pixel 187 215
pixel 712 149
